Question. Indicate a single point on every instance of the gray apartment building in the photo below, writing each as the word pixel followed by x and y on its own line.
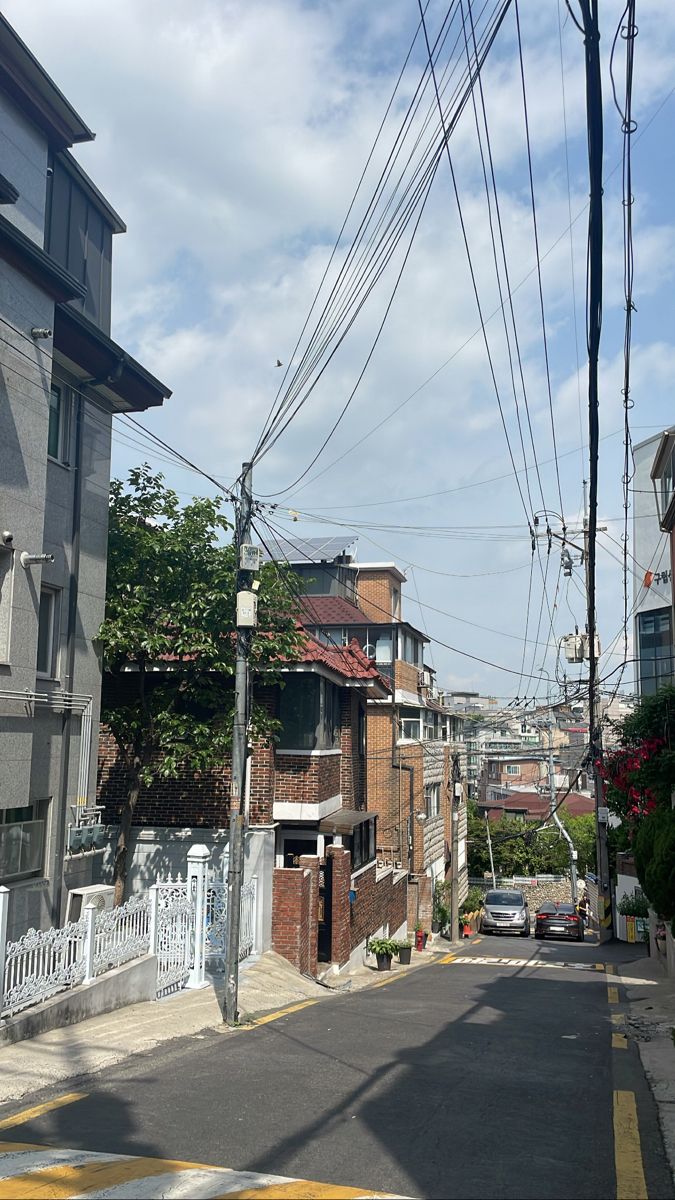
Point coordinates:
pixel 652 581
pixel 62 379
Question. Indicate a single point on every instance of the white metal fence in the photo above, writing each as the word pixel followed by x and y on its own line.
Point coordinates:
pixel 183 923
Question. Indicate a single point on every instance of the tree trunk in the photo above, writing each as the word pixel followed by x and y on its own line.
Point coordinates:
pixel 124 836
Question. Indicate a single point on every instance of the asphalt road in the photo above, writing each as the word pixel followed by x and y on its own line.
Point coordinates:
pixel 461 1079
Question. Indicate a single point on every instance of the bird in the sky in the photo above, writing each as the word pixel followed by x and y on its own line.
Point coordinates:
pixel 278 363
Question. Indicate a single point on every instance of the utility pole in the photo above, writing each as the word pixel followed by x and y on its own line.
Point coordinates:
pixel 455 800
pixel 553 812
pixel 589 16
pixel 246 621
pixel 489 842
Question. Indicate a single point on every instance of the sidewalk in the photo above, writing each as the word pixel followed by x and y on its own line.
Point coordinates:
pixel 266 985
pixel 651 1023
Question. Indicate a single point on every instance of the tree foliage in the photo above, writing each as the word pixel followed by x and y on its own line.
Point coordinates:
pixel 520 848
pixel 168 637
pixel 640 783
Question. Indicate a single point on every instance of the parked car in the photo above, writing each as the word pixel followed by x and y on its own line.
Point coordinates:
pixel 558 920
pixel 505 912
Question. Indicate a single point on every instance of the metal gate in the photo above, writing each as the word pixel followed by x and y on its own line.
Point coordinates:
pixel 216 923
pixel 174 935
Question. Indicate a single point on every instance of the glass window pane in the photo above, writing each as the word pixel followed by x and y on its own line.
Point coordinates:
pixel 53 447
pixel 299 713
pixel 45 632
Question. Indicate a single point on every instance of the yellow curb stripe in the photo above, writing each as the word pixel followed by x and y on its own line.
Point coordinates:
pixel 613 995
pixel 619 1041
pixel 31 1114
pixel 599 966
pixel 630 1176
pixel 59 1183
pixel 302 1189
pixel 617 1018
pixel 447 958
pixel 478 939
pixel 282 1012
pixel 610 969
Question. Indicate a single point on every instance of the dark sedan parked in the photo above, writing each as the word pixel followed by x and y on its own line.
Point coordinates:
pixel 558 920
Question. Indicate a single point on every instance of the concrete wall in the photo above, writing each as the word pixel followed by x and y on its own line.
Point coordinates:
pixel 23 154
pixel 129 984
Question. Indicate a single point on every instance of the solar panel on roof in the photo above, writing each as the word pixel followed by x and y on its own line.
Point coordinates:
pixel 306 550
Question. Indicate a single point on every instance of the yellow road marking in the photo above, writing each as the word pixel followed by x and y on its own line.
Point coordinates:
pixel 477 939
pixel 447 958
pixel 630 1176
pixel 599 966
pixel 58 1183
pixel 301 1189
pixel 619 1041
pixel 613 994
pixel 617 1018
pixel 31 1114
pixel 610 969
pixel 283 1012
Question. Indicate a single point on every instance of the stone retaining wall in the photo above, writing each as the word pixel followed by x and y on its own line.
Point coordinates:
pixel 538 894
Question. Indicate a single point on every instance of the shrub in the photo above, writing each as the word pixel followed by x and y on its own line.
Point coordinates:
pixel 633 904
pixel 473 901
pixel 654 849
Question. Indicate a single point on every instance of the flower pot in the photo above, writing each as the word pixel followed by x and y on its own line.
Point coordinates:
pixel 466 930
pixel 383 962
pixel 435 926
pixel 404 955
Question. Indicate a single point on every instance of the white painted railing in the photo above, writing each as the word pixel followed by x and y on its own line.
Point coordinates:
pixel 183 923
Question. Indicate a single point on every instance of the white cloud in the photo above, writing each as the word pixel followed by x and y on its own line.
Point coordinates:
pixel 230 137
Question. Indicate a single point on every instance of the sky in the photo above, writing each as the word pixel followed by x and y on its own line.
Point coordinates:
pixel 230 136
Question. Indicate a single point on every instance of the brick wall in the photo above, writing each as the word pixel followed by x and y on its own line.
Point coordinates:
pixel 291 916
pixel 340 948
pixel 307 778
pixel 374 595
pixel 203 798
pixel 406 676
pixel 379 901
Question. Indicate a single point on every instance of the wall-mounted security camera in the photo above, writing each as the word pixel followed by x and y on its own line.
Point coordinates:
pixel 50 170
pixel 37 332
pixel 7 537
pixel 33 560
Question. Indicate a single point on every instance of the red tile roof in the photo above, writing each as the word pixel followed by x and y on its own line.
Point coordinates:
pixel 537 806
pixel 349 661
pixel 332 610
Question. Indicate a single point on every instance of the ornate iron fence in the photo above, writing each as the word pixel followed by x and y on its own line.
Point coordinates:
pixel 40 964
pixel 121 934
pixel 216 923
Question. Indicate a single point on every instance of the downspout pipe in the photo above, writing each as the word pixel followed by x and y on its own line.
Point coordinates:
pixel 70 662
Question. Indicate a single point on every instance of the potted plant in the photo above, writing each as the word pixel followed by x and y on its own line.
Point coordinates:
pixel 404 952
pixel 384 950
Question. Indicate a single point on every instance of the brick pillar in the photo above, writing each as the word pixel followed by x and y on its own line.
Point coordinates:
pixel 310 862
pixel 340 947
pixel 291 889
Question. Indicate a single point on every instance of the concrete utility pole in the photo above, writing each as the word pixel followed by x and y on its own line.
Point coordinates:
pixel 246 620
pixel 489 842
pixel 594 122
pixel 554 813
pixel 456 787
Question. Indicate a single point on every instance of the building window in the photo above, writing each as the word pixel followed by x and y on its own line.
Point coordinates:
pixel 309 710
pixel 410 724
pixel 655 642
pixel 362 734
pixel 22 840
pixel 47 647
pixel 6 579
pixel 512 770
pixel 432 799
pixel 363 841
pixel 58 436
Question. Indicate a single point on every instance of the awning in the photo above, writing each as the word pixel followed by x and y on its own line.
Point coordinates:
pixel 344 820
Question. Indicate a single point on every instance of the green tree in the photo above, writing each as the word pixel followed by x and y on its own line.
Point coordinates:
pixel 168 638
pixel 520 847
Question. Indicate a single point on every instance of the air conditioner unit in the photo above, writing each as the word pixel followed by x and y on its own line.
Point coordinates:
pixel 424 678
pixel 100 894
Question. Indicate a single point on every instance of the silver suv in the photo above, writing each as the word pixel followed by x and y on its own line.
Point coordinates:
pixel 507 911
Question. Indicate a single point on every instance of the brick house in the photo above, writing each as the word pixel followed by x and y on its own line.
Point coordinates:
pixel 311 842
pixel 411 735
